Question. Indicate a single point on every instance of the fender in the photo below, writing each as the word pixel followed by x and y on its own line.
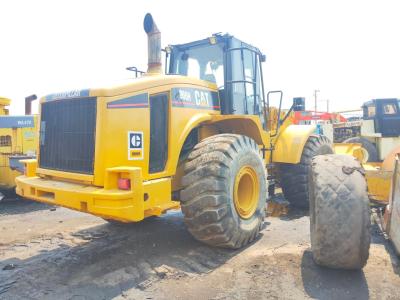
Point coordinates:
pixel 214 124
pixel 290 143
pixel 245 125
pixel 194 122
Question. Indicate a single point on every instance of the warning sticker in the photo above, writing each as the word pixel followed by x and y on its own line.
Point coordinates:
pixel 135 145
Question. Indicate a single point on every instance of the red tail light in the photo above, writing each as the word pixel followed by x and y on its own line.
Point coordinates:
pixel 124 184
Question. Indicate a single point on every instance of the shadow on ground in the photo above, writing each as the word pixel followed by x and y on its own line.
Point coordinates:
pixel 17 205
pixel 324 283
pixel 117 258
pixel 377 237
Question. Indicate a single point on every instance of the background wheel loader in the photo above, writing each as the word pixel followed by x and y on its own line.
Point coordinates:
pixel 378 131
pixel 375 146
pixel 202 137
pixel 18 138
pixel 380 128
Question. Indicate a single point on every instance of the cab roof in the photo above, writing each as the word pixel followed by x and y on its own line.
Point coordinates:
pixel 219 38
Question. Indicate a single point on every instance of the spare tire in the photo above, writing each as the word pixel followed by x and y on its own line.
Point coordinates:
pixel 339 212
pixel 367 145
pixel 294 177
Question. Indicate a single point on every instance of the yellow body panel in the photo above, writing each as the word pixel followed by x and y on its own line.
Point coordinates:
pixel 248 125
pixel 7 176
pixel 16 140
pixel 142 200
pixel 290 143
pixel 378 181
pixel 353 149
pixel 111 141
pixel 4 102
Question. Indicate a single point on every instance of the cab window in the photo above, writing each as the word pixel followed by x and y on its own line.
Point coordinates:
pixel 5 140
pixel 204 62
pixel 390 109
pixel 244 79
pixel 371 111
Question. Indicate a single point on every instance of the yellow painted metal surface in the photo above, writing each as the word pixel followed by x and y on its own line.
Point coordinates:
pixel 30 167
pixel 14 141
pixel 143 199
pixel 4 102
pixel 246 192
pixel 111 140
pixel 378 182
pixel 248 125
pixel 353 149
pixel 84 178
pixel 290 143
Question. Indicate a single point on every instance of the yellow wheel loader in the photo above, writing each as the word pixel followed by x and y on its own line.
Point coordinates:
pixel 199 136
pixel 380 128
pixel 18 136
pixel 378 131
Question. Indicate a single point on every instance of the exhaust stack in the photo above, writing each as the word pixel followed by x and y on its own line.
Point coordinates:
pixel 154 65
pixel 28 104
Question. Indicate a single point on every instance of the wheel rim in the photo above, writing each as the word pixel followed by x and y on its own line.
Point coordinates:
pixel 246 192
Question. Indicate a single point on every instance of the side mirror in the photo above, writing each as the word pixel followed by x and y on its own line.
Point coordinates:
pixel 299 104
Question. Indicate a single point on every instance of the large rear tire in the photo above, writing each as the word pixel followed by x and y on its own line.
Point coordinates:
pixel 294 177
pixel 225 191
pixel 367 145
pixel 339 212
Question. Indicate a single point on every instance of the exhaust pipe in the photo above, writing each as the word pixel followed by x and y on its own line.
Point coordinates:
pixel 154 65
pixel 28 104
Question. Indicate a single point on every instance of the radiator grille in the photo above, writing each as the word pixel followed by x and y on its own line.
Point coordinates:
pixel 67 135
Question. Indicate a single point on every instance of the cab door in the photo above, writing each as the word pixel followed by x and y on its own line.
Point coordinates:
pixel 244 80
pixel 387 120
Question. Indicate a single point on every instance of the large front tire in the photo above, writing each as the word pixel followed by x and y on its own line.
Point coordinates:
pixel 225 191
pixel 294 177
pixel 339 212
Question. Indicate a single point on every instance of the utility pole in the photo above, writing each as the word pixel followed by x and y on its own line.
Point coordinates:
pixel 315 98
pixel 327 105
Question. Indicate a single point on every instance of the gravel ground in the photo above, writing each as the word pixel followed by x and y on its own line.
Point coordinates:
pixel 55 253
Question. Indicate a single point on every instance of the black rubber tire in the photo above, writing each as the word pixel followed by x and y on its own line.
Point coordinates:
pixel 367 145
pixel 207 197
pixel 339 212
pixel 294 177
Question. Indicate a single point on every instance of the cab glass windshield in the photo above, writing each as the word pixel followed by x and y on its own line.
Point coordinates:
pixel 204 62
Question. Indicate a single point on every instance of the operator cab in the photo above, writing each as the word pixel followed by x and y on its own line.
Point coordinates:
pixel 234 66
pixel 386 116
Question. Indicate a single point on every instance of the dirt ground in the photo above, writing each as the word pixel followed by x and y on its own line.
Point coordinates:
pixel 55 253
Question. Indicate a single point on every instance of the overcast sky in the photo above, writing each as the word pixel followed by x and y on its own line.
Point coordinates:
pixel 349 50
